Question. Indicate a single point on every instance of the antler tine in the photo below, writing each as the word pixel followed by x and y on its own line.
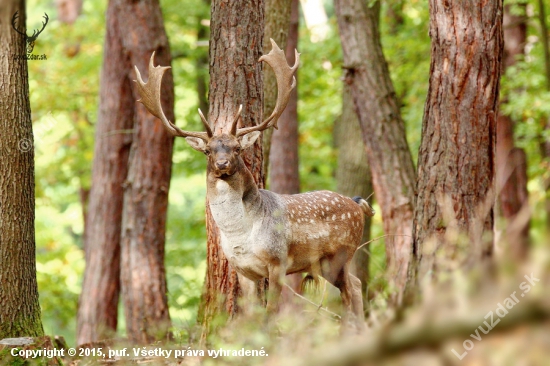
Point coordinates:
pixel 236 120
pixel 285 83
pixel 13 19
pixel 150 98
pixel 43 25
pixel 205 123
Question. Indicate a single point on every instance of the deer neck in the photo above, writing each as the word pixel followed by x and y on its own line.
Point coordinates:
pixel 233 201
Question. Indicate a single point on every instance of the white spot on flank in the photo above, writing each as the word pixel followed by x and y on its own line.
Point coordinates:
pixel 343 216
pixel 324 199
pixel 349 215
pixel 312 221
pixel 333 217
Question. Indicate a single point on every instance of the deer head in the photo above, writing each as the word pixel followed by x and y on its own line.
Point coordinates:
pixel 30 40
pixel 222 149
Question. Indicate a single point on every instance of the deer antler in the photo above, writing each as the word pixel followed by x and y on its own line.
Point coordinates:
pixel 285 83
pixel 34 34
pixel 13 19
pixel 150 98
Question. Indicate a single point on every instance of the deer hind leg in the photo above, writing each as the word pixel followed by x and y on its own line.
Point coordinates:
pixel 357 299
pixel 350 291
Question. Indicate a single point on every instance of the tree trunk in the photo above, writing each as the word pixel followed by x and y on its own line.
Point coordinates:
pixel 511 161
pixel 395 16
pixel 353 176
pixel 19 307
pixel 201 62
pixel 453 220
pixel 277 22
pixel 98 305
pixel 235 78
pixel 143 277
pixel 383 130
pixel 68 10
pixel 283 154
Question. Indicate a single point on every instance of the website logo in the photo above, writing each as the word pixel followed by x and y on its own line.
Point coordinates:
pixel 29 39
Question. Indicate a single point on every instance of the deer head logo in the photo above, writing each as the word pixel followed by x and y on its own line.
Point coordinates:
pixel 30 40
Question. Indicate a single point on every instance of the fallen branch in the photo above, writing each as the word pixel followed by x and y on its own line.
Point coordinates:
pixel 401 338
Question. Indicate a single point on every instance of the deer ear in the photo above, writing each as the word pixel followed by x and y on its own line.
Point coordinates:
pixel 196 143
pixel 249 139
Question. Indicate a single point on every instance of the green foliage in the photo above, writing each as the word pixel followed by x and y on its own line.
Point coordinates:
pixel 319 103
pixel 407 49
pixel 526 90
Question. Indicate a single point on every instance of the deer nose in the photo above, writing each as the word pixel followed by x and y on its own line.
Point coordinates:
pixel 222 164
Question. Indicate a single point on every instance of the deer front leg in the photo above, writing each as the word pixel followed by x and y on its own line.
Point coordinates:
pixel 248 287
pixel 275 286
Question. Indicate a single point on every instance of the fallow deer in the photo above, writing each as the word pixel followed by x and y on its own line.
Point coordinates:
pixel 264 234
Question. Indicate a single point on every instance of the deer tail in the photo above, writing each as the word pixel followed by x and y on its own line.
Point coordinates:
pixel 365 206
pixel 309 281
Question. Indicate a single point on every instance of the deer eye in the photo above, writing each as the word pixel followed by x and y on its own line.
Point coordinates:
pixel 207 152
pixel 238 149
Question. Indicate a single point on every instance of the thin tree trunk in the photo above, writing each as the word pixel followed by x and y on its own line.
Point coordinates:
pixel 353 176
pixel 511 161
pixel 283 155
pixel 19 307
pixel 143 277
pixel 98 304
pixel 203 34
pixel 395 16
pixel 235 78
pixel 277 22
pixel 453 220
pixel 383 130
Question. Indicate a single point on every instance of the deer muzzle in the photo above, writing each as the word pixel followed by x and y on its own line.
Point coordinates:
pixel 222 164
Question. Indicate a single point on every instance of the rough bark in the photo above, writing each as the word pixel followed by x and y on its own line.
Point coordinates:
pixel 277 22
pixel 235 78
pixel 19 307
pixel 512 203
pixel 353 176
pixel 283 154
pixel 383 130
pixel 453 219
pixel 143 277
pixel 98 305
